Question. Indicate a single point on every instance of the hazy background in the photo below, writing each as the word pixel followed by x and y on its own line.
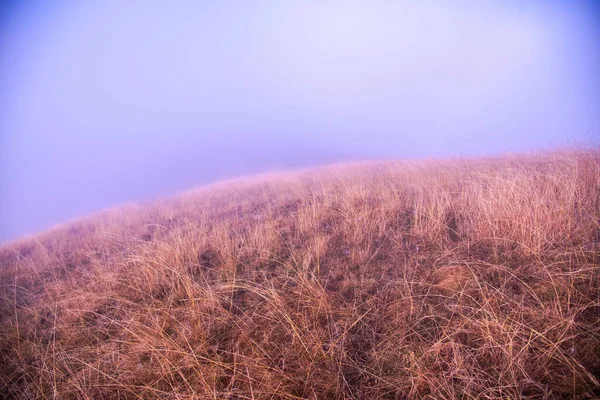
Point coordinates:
pixel 114 101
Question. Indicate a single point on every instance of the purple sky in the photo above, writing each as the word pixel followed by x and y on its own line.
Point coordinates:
pixel 108 102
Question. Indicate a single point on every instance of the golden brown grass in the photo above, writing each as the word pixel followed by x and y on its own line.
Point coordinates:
pixel 475 278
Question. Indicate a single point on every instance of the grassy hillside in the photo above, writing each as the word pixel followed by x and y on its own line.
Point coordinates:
pixel 475 278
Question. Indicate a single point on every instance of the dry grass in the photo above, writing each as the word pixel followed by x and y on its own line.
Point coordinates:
pixel 476 278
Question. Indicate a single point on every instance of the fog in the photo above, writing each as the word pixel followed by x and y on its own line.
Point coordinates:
pixel 110 102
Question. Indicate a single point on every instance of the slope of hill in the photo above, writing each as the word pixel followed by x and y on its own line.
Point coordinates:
pixel 474 278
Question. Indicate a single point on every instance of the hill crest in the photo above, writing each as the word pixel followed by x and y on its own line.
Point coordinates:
pixel 442 278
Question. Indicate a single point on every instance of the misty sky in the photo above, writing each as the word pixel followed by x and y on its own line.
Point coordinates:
pixel 108 102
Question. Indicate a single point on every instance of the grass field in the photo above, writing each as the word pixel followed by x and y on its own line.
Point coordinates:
pixel 443 279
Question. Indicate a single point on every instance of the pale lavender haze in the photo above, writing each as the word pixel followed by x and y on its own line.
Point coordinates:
pixel 108 102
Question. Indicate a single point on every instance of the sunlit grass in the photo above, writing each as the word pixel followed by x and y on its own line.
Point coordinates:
pixel 466 278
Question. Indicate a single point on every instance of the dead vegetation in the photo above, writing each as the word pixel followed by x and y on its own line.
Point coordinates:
pixel 475 278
